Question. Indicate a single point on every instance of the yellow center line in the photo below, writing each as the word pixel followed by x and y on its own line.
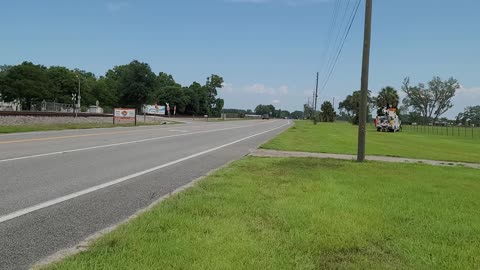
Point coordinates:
pixel 79 136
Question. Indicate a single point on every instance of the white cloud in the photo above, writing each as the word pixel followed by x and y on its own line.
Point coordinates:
pixel 227 87
pixel 117 6
pixel 466 97
pixel 275 101
pixel 260 88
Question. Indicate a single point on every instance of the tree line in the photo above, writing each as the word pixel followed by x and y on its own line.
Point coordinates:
pixel 131 85
pixel 423 103
pixel 326 114
pixel 262 109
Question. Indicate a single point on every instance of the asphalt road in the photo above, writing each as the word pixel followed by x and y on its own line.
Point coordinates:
pixel 58 188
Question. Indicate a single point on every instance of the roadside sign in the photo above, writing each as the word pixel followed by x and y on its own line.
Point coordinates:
pixel 122 113
pixel 155 109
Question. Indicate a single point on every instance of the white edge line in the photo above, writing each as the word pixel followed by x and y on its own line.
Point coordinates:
pixel 46 204
pixel 85 244
pixel 116 144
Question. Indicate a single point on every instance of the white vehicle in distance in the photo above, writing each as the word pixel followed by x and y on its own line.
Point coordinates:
pixel 389 122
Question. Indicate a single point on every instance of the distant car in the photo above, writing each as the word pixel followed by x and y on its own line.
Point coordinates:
pixel 266 116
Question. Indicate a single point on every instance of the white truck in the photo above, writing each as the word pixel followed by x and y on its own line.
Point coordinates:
pixel 389 122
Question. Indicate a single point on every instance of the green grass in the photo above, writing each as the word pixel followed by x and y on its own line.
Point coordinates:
pixel 50 127
pixel 298 213
pixel 341 138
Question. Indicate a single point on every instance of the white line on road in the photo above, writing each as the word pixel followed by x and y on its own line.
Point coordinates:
pixel 177 130
pixel 120 180
pixel 117 144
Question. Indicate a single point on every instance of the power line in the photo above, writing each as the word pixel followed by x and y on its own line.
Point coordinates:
pixel 346 33
pixel 338 31
pixel 329 35
pixel 339 36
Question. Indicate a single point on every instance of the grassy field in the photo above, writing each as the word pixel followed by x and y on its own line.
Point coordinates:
pixel 30 128
pixel 341 138
pixel 297 213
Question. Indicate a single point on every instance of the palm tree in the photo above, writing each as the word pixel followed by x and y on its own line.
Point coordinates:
pixel 327 112
pixel 387 98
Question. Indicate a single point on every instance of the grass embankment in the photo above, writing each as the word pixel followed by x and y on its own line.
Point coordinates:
pixel 51 127
pixel 298 213
pixel 341 138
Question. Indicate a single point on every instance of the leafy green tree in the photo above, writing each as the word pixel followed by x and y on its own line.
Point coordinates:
pixel 25 82
pixel 88 87
pixel 285 113
pixel 219 103
pixel 281 113
pixel 130 85
pixel 175 96
pixel 235 112
pixel 135 83
pixel 351 105
pixel 409 117
pixel 169 91
pixel 63 83
pixel 327 112
pixel 343 116
pixel 265 109
pixel 3 74
pixel 213 104
pixel 194 93
pixel 431 100
pixel 106 92
pixel 4 68
pixel 296 115
pixel 164 80
pixel 471 115
pixel 307 111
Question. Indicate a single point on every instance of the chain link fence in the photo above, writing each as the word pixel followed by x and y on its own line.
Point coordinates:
pixel 48 106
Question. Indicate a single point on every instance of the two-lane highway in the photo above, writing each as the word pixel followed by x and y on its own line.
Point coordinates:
pixel 57 188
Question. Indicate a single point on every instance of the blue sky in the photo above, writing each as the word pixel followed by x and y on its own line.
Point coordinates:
pixel 268 51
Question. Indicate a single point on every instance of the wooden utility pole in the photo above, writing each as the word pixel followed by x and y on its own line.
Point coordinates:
pixel 364 84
